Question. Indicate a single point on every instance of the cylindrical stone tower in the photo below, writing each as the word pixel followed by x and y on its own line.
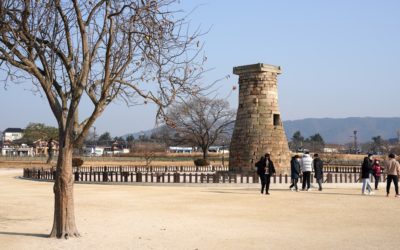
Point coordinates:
pixel 258 128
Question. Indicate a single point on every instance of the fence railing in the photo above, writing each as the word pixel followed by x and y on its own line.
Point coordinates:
pixel 114 175
pixel 166 169
pixel 153 169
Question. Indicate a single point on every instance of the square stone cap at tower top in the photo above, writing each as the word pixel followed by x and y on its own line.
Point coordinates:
pixel 259 67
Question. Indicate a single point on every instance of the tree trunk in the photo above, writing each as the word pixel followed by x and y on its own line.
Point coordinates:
pixel 64 218
pixel 49 157
pixel 205 153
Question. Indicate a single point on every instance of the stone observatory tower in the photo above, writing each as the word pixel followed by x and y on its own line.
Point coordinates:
pixel 258 128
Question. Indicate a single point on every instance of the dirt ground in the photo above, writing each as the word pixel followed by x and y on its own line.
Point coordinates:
pixel 171 217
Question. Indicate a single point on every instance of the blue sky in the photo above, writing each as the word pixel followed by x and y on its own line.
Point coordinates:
pixel 339 58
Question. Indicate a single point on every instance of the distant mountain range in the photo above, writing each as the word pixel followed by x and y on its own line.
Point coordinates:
pixel 335 130
pixel 340 130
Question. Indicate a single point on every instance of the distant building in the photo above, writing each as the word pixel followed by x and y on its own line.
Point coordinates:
pixel 333 148
pixel 218 149
pixel 180 150
pixel 12 134
pixel 17 150
pixel 41 147
pixel 104 151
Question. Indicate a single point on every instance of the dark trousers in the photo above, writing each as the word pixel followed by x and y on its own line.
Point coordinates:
pixel 294 183
pixel 306 179
pixel 395 181
pixel 265 180
pixel 319 181
pixel 377 179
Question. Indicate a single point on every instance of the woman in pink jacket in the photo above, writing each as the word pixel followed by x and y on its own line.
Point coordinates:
pixel 377 172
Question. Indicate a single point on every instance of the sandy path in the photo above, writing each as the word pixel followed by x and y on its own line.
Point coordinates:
pixel 145 217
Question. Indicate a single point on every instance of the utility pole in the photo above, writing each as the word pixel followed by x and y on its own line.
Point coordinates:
pixel 223 151
pixel 398 136
pixel 355 141
pixel 94 136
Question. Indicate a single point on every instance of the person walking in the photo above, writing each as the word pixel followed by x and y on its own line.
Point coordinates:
pixel 366 169
pixel 306 168
pixel 269 171
pixel 393 173
pixel 377 172
pixel 265 168
pixel 318 170
pixel 260 166
pixel 295 172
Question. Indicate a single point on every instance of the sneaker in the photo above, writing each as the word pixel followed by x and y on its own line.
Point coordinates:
pixel 267 193
pixel 320 189
pixel 371 193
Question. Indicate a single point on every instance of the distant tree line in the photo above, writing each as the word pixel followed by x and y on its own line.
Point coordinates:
pixel 314 143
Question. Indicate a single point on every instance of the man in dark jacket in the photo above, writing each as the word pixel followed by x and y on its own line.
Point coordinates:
pixel 366 169
pixel 265 168
pixel 295 172
pixel 318 170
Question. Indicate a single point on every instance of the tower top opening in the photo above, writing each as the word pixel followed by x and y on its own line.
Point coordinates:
pixel 258 67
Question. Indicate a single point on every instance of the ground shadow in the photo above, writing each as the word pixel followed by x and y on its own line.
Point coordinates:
pixel 251 190
pixel 25 234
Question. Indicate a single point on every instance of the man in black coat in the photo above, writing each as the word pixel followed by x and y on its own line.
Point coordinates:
pixel 265 168
pixel 318 170
pixel 366 169
pixel 295 172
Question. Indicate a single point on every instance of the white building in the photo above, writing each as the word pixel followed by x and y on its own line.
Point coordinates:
pixel 12 134
pixel 180 149
pixel 22 150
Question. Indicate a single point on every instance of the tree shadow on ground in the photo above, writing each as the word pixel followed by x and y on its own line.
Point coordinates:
pixel 250 191
pixel 25 234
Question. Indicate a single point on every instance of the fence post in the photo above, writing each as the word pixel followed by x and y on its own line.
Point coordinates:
pixel 215 178
pixel 176 177
pixel 76 176
pixel 138 177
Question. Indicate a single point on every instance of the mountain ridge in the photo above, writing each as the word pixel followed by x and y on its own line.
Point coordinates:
pixel 335 130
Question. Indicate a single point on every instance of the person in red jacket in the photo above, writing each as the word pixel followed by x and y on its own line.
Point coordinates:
pixel 377 172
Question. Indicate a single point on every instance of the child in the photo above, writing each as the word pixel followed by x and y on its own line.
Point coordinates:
pixel 377 171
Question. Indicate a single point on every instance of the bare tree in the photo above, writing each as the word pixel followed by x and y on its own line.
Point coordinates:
pixel 200 121
pixel 135 51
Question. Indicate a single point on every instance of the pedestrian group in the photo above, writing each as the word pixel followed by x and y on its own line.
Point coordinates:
pixel 303 166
